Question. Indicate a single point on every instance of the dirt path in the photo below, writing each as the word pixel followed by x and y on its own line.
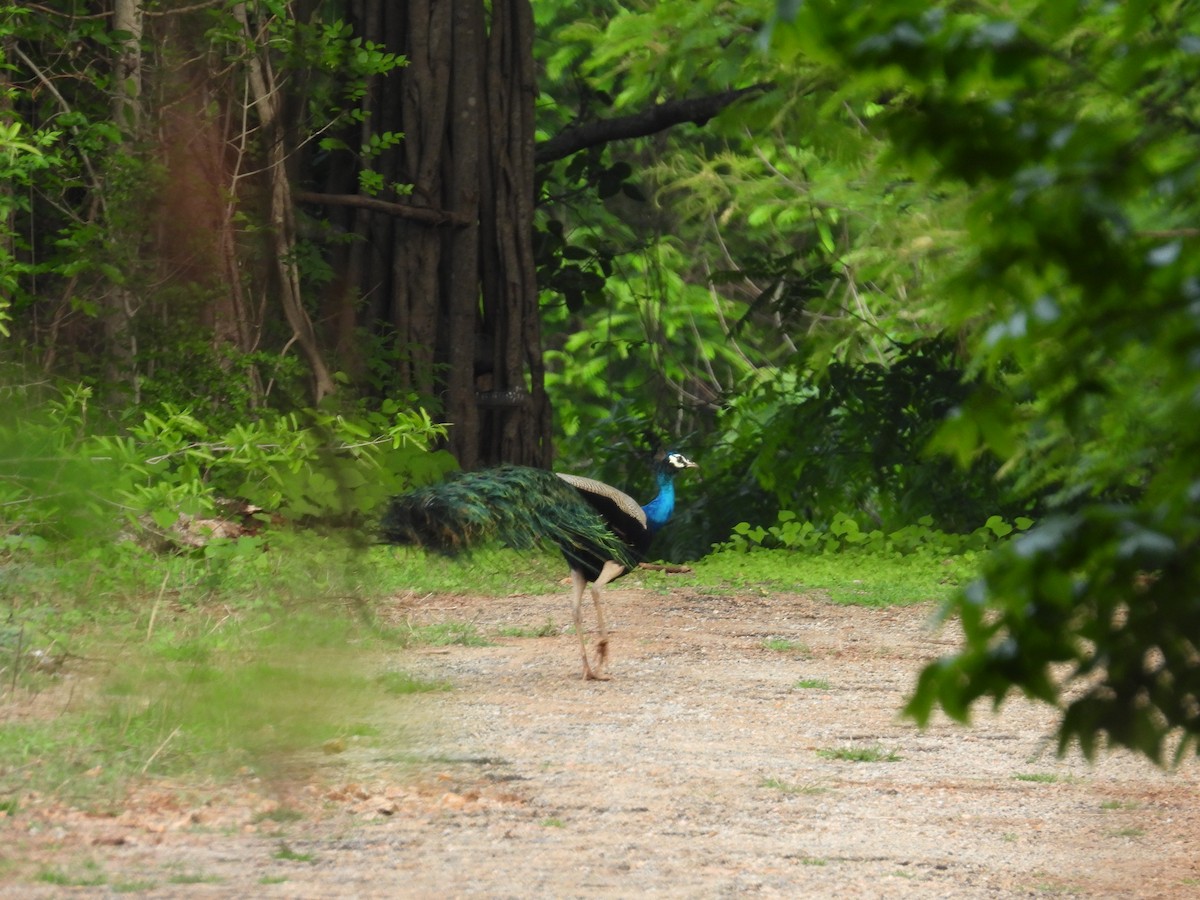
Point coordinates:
pixel 702 769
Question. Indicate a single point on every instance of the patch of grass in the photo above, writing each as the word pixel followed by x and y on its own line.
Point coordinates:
pixel 857 578
pixel 783 645
pixel 90 876
pixel 549 629
pixel 1131 832
pixel 286 853
pixel 787 787
pixel 280 815
pixel 222 711
pixel 400 683
pixel 194 878
pixel 132 887
pixel 811 684
pixel 445 634
pixel 273 879
pixel 1042 777
pixel 1120 804
pixel 552 822
pixel 490 571
pixel 1054 888
pixel 256 654
pixel 199 693
pixel 859 754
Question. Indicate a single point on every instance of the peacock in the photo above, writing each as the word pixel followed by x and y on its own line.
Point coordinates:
pixel 602 532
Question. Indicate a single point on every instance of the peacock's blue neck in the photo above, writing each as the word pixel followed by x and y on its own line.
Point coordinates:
pixel 660 508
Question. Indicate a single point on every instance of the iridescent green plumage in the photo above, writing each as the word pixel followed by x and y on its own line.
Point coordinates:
pixel 519 506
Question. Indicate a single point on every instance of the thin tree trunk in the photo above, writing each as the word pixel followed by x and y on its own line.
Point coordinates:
pixel 520 416
pixel 127 92
pixel 462 263
pixel 119 337
pixel 7 199
pixel 281 211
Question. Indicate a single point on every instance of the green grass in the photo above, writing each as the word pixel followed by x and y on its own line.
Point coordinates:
pixel 248 656
pixel 553 822
pixel 859 754
pixel 194 878
pixel 89 875
pixel 1045 778
pixel 783 645
pixel 492 571
pixel 195 703
pixel 787 787
pixel 444 634
pixel 400 683
pixel 1120 805
pixel 549 629
pixel 132 887
pixel 1130 832
pixel 860 579
pixel 287 854
pixel 811 684
pixel 280 815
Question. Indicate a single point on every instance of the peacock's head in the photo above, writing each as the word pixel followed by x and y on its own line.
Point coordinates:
pixel 674 463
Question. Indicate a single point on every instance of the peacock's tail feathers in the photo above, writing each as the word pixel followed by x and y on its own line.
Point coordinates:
pixel 520 506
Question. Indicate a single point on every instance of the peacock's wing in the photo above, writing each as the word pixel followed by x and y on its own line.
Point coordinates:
pixel 623 515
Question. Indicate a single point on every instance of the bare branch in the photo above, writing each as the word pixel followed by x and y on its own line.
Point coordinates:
pixel 400 210
pixel 658 117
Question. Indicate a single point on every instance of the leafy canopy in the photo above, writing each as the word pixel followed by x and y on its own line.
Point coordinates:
pixel 1073 126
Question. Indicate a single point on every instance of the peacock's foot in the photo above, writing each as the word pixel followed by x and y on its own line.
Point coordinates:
pixel 594 674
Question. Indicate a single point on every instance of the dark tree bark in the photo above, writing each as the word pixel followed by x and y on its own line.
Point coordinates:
pixel 513 401
pixel 467 149
pixel 448 274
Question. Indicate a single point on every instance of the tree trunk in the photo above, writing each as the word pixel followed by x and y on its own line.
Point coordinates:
pixel 127 70
pixel 516 413
pixel 462 244
pixel 120 342
pixel 462 301
pixel 281 211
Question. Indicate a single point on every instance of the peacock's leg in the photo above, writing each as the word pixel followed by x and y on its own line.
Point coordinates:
pixel 610 571
pixel 578 583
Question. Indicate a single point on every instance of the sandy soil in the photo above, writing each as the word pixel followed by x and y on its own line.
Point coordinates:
pixel 703 769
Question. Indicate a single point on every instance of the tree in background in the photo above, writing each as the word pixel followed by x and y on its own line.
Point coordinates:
pixel 1074 130
pixel 355 181
pixel 751 288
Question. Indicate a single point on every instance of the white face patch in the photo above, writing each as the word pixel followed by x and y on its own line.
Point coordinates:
pixel 679 461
